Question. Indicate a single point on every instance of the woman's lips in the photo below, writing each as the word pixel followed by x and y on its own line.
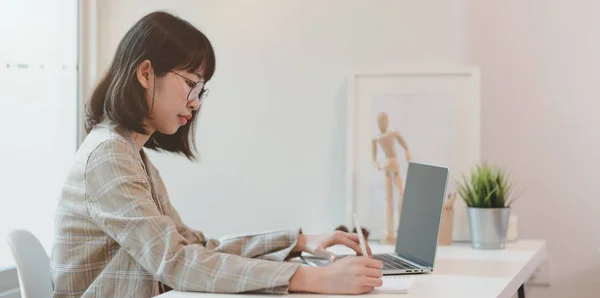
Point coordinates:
pixel 183 120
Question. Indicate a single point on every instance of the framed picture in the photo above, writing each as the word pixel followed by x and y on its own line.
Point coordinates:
pixel 436 111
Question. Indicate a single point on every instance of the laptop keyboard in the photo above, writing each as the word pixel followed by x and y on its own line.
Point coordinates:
pixel 390 262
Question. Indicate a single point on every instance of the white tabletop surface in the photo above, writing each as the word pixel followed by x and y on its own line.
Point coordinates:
pixel 459 271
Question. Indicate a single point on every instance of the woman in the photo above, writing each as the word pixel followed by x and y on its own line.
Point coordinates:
pixel 116 232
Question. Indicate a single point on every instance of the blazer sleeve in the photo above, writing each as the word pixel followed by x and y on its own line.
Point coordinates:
pixel 119 200
pixel 274 245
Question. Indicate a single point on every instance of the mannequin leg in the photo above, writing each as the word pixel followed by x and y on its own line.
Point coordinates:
pixel 400 187
pixel 389 237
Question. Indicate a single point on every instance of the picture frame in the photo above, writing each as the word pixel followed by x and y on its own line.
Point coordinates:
pixel 435 109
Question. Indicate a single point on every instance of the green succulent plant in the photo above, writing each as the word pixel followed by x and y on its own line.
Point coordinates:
pixel 487 187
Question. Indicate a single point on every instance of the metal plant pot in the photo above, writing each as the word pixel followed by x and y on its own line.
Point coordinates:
pixel 488 227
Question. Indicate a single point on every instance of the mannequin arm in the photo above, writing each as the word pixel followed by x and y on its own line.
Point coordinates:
pixel 374 153
pixel 402 143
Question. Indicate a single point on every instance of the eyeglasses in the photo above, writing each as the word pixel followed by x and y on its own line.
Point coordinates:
pixel 196 89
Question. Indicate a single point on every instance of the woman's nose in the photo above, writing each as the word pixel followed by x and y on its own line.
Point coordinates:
pixel 194 104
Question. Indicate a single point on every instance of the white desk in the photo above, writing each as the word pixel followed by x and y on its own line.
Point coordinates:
pixel 459 271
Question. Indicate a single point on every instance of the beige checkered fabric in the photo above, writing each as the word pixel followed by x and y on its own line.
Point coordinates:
pixel 117 234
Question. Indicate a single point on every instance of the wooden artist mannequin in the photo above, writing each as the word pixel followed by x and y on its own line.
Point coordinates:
pixel 391 167
pixel 447 224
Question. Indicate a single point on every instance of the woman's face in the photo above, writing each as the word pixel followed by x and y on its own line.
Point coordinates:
pixel 173 102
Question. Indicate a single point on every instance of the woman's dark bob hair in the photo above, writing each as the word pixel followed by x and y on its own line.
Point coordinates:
pixel 169 43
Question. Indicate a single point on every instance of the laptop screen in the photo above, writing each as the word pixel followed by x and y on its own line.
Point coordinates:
pixel 421 213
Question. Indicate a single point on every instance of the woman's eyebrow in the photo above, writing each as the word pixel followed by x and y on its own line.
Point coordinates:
pixel 199 76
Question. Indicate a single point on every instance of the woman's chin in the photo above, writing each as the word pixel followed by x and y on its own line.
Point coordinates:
pixel 169 130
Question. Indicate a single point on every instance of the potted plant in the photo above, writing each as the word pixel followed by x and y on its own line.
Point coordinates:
pixel 488 195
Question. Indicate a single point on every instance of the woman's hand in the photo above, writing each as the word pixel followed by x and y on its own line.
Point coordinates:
pixel 349 275
pixel 352 275
pixel 318 244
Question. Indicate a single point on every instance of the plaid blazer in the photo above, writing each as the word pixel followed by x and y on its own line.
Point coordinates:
pixel 117 234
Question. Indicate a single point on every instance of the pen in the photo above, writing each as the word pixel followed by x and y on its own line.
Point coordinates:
pixel 361 237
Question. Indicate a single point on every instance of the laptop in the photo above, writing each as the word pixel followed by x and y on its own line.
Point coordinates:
pixel 419 226
pixel 420 219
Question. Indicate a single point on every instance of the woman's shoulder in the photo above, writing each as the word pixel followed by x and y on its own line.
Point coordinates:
pixel 104 154
pixel 107 139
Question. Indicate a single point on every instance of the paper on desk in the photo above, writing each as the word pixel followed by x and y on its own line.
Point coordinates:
pixel 395 284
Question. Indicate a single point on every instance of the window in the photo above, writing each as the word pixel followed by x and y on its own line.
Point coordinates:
pixel 38 113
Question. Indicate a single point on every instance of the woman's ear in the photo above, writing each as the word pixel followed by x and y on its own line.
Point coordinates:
pixel 144 72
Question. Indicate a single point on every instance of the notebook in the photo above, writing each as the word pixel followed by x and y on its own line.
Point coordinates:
pixel 395 284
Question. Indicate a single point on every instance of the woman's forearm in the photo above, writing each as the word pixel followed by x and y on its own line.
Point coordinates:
pixel 306 279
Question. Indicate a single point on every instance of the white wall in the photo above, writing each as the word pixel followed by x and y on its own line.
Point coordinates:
pixel 540 100
pixel 272 133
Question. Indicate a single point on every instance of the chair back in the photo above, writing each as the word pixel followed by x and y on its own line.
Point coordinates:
pixel 33 264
